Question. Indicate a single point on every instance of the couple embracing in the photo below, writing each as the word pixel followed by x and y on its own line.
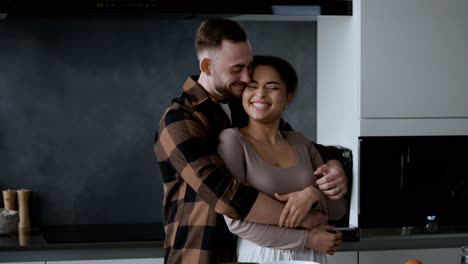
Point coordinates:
pixel 239 183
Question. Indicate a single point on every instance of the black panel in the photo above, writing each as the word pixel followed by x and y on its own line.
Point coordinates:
pixel 411 181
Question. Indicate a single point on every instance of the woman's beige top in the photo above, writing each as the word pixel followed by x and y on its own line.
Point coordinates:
pixel 244 163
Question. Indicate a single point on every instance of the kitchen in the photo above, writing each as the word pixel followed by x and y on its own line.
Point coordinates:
pixel 336 42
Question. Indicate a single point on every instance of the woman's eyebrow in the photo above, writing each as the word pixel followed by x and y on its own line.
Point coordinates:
pixel 273 82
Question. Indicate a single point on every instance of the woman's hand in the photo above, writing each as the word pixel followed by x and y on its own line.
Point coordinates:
pixel 298 205
pixel 322 240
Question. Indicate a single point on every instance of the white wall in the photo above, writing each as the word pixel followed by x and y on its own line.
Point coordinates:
pixel 338 80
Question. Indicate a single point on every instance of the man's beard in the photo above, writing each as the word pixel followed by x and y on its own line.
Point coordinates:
pixel 224 92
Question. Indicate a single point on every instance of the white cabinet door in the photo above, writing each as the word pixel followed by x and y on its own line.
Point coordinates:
pixel 414 62
pixel 346 257
pixel 112 261
pixel 426 256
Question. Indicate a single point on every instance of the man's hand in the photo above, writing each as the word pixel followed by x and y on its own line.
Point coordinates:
pixel 298 205
pixel 332 180
pixel 322 240
pixel 313 219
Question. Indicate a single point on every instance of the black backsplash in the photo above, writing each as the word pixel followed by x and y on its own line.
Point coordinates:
pixel 80 100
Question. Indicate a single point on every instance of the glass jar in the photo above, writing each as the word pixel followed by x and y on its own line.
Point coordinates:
pixel 464 255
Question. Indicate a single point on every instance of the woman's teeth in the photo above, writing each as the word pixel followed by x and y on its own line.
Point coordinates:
pixel 259 105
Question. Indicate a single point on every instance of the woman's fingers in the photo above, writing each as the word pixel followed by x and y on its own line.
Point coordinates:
pixel 284 216
pixel 295 219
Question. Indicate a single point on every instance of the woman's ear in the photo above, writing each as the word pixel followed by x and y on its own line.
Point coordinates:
pixel 289 97
pixel 205 66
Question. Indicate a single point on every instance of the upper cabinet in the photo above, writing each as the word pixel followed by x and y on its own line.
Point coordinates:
pixel 414 59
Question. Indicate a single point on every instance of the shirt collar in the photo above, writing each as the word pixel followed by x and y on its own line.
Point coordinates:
pixel 195 91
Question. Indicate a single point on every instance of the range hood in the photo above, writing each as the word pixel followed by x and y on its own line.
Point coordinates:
pixel 55 8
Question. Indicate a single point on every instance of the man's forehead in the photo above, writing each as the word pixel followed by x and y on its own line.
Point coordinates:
pixel 236 47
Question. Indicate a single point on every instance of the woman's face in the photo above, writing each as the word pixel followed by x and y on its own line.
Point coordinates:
pixel 265 96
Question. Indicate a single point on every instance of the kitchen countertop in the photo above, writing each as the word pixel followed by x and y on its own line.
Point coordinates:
pixel 35 244
pixel 34 240
pixel 31 245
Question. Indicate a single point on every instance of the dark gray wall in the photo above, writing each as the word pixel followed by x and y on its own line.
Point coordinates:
pixel 80 100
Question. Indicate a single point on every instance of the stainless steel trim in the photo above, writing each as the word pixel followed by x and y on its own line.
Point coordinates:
pixel 443 231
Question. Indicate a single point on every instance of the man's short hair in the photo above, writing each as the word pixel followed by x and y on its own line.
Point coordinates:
pixel 213 31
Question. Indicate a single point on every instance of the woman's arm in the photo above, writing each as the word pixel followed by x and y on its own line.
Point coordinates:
pixel 268 235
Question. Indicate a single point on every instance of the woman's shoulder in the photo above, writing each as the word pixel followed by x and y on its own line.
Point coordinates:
pixel 230 134
pixel 230 131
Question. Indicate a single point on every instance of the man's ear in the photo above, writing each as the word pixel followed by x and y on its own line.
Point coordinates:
pixel 205 64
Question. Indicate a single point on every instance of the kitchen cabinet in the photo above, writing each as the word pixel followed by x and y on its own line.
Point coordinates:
pixel 348 257
pixel 426 256
pixel 112 261
pixel 413 59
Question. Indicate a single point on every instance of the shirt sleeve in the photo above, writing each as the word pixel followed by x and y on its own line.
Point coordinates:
pixel 329 152
pixel 326 152
pixel 335 209
pixel 268 235
pixel 184 145
pixel 231 149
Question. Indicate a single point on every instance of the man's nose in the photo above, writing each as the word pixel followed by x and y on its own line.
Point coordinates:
pixel 245 76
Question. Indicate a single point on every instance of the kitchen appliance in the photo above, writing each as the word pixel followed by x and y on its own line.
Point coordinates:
pixel 171 7
pixel 413 185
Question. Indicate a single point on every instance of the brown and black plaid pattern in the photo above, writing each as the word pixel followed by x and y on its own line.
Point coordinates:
pixel 197 185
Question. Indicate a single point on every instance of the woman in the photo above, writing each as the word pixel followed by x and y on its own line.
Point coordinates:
pixel 278 163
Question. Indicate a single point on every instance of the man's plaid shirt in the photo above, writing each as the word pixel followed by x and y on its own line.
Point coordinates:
pixel 198 188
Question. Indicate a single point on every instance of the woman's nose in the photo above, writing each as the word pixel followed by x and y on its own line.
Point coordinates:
pixel 261 92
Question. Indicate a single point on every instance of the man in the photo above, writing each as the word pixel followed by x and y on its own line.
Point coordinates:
pixel 198 189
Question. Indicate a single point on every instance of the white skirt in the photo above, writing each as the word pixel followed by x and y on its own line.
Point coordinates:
pixel 248 251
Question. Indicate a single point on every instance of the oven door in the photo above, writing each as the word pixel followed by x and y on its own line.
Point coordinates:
pixel 413 182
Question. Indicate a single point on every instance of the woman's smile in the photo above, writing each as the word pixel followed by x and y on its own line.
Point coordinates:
pixel 260 105
pixel 265 96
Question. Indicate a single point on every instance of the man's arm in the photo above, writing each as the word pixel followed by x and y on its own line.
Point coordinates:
pixel 183 145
